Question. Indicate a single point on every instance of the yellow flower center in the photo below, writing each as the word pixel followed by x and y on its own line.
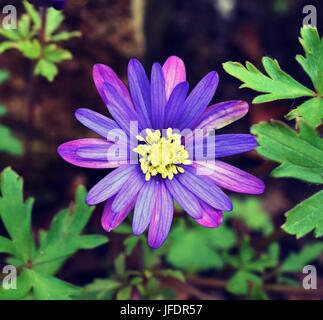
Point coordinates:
pixel 161 155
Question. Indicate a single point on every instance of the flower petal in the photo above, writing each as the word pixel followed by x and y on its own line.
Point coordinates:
pixel 70 152
pixel 161 219
pixel 119 108
pixel 230 177
pixel 211 218
pixel 174 73
pixel 205 189
pixel 185 198
pixel 222 145
pixel 112 219
pixel 96 121
pixel 144 207
pixel 222 114
pixel 140 91
pixel 197 101
pixel 110 185
pixel 158 96
pixel 129 191
pixel 104 153
pixel 104 74
pixel 175 103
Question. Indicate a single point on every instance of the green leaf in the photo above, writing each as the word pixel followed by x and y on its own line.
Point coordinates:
pixel 124 294
pixel 123 229
pixel 46 69
pixel 207 245
pixel 176 274
pixel 3 110
pixel 242 282
pixel 16 213
pixel 10 34
pixel 49 288
pixel 24 26
pixel 249 261
pixel 276 86
pixel 295 262
pixel 100 288
pixel 311 111
pixel 63 238
pixel 120 265
pixel 130 243
pixel 300 153
pixel 7 45
pixel 54 20
pixel 31 49
pixel 265 261
pixel 33 14
pixel 252 213
pixel 54 54
pixel 4 76
pixel 23 287
pixel 65 36
pixel 9 143
pixel 312 63
pixel 6 246
pixel 305 217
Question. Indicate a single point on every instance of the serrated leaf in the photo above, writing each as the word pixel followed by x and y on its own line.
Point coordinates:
pixel 54 54
pixel 295 262
pixel 46 69
pixel 16 213
pixel 312 63
pixel 49 288
pixel 63 238
pixel 65 36
pixel 306 217
pixel 300 153
pixel 54 20
pixel 311 111
pixel 277 85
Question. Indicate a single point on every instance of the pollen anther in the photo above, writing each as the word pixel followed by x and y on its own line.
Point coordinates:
pixel 161 155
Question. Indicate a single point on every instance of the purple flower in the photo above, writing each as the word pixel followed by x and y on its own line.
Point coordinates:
pixel 57 4
pixel 174 162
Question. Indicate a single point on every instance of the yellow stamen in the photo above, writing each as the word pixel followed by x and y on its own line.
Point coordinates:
pixel 160 155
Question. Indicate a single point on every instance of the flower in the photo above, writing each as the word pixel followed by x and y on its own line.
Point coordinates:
pixel 57 4
pixel 172 161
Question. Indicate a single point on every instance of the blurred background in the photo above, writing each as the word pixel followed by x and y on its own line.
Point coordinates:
pixel 204 33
